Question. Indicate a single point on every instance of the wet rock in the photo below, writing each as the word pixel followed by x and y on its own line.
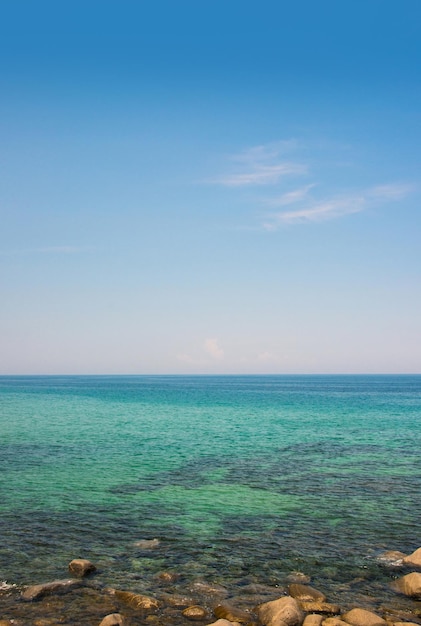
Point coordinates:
pixel 168 577
pixel 8 622
pixel 392 557
pixel 410 585
pixel 361 617
pixel 413 559
pixel 34 592
pixel 405 624
pixel 136 600
pixel 114 619
pixel 195 612
pixel 175 600
pixel 298 577
pixel 147 544
pixel 282 612
pixel 313 620
pixel 232 614
pixel 305 593
pixel 81 567
pixel 325 608
pixel 208 588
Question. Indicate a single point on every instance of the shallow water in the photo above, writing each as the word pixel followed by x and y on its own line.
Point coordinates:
pixel 242 479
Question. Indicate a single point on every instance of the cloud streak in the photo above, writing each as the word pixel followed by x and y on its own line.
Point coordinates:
pixel 339 206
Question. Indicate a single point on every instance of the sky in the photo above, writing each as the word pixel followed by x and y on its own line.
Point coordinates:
pixel 210 187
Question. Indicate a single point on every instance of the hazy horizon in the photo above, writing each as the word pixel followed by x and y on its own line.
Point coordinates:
pixel 210 188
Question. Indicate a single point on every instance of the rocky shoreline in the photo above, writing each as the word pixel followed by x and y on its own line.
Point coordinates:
pixel 83 599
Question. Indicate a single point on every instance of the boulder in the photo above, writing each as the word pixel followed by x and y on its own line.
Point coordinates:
pixel 325 608
pixel 136 600
pixel 313 620
pixel 282 612
pixel 410 585
pixel 114 619
pixel 413 559
pixel 305 593
pixel 34 592
pixel 81 567
pixel 232 614
pixel 195 612
pixel 361 617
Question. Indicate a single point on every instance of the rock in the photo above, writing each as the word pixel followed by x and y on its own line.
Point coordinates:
pixel 334 621
pixel 410 585
pixel 298 577
pixel 208 588
pixel 147 544
pixel 313 620
pixel 413 559
pixel 325 608
pixel 8 622
pixel 405 624
pixel 392 557
pixel 361 617
pixel 195 612
pixel 35 592
pixel 223 622
pixel 232 614
pixel 168 577
pixel 282 612
pixel 114 619
pixel 136 600
pixel 81 567
pixel 305 593
pixel 175 600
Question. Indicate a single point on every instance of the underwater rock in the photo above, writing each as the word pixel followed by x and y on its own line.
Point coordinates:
pixel 298 577
pixel 195 612
pixel 176 600
pixel 81 567
pixel 305 593
pixel 410 585
pixel 361 617
pixel 136 600
pixel 392 557
pixel 168 577
pixel 282 612
pixel 114 619
pixel 34 592
pixel 413 559
pixel 232 614
pixel 147 544
pixel 208 588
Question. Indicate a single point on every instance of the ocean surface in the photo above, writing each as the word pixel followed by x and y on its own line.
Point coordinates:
pixel 242 479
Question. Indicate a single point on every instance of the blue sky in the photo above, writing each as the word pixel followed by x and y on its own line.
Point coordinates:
pixel 210 187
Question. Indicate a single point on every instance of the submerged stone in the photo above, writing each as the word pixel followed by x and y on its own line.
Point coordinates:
pixel 147 544
pixel 81 567
pixel 136 600
pixel 34 592
pixel 232 614
pixel 195 612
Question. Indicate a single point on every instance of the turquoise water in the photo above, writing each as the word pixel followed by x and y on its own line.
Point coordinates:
pixel 240 478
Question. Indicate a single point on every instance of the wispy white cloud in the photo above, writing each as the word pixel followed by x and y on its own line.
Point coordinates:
pixel 290 197
pixel 338 206
pixel 261 165
pixel 213 348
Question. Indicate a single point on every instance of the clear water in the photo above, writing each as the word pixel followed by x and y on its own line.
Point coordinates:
pixel 242 479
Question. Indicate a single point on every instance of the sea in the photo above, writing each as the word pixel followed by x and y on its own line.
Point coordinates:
pixel 241 480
